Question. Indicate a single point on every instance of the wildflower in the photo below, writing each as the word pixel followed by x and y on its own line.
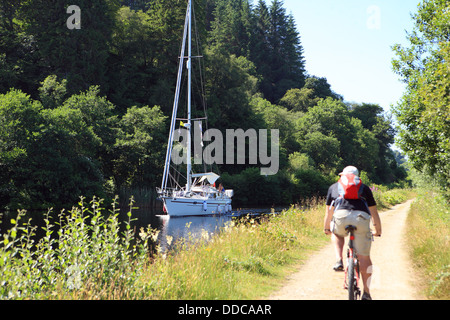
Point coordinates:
pixel 155 235
pixel 205 235
pixel 143 234
pixel 169 240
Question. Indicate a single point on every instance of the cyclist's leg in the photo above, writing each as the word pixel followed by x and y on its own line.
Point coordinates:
pixel 363 243
pixel 338 225
pixel 364 264
pixel 338 242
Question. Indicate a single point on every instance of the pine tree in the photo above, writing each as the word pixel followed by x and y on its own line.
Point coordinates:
pixel 277 51
pixel 260 44
pixel 230 29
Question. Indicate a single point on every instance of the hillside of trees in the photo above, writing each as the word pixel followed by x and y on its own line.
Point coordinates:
pixel 85 111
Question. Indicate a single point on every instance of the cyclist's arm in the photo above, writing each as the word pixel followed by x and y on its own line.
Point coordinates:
pixel 376 221
pixel 327 219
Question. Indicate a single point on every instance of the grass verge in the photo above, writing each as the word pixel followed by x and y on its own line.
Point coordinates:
pixel 429 240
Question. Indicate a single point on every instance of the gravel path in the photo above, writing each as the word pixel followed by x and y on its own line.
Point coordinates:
pixel 393 277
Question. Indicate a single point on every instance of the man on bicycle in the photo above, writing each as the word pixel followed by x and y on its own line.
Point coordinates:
pixel 356 212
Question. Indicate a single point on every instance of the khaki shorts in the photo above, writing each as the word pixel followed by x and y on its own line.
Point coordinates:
pixel 359 219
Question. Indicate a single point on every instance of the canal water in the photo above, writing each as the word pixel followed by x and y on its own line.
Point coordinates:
pixel 171 229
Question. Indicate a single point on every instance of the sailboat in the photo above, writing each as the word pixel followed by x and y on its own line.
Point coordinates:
pixel 199 196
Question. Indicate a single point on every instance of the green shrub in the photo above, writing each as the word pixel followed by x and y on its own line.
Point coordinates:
pixel 85 255
pixel 387 198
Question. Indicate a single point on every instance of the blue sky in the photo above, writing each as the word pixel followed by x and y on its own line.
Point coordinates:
pixel 349 43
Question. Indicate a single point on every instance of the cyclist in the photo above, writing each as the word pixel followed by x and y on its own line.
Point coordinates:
pixel 357 212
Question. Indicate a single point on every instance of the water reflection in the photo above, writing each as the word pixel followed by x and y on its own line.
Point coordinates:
pixel 172 229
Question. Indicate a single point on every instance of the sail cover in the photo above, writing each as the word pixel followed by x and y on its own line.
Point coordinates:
pixel 211 176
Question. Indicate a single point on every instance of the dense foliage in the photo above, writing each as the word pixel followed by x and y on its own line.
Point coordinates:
pixel 84 111
pixel 424 111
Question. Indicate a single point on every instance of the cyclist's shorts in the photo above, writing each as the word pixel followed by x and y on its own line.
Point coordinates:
pixel 359 219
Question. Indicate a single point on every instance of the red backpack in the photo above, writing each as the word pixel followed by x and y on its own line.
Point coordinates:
pixel 350 186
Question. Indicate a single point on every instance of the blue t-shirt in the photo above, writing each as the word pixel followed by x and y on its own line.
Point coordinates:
pixel 352 204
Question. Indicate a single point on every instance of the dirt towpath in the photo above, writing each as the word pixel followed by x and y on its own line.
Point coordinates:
pixel 393 277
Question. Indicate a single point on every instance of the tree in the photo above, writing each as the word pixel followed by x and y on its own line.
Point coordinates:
pixel 299 100
pixel 231 81
pixel 277 51
pixel 98 114
pixel 260 41
pixel 374 119
pixel 133 55
pixel 19 119
pixel 52 93
pixel 167 20
pixel 423 112
pixel 139 157
pixel 62 161
pixel 302 99
pixel 321 88
pixel 46 156
pixel 323 150
pixel 135 4
pixel 230 29
pixel 331 118
pixel 18 50
pixel 277 117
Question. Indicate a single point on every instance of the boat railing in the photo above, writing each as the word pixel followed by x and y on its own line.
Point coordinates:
pixel 206 191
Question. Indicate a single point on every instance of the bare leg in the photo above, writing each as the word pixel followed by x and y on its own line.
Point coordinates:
pixel 365 263
pixel 338 245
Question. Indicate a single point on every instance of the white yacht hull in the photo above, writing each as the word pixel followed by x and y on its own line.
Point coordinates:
pixel 196 207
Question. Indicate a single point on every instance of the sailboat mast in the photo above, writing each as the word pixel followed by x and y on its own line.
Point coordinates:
pixel 189 66
pixel 175 107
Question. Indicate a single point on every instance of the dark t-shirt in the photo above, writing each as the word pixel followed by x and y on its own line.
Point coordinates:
pixel 352 204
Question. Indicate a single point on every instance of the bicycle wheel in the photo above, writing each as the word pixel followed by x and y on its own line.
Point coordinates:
pixel 351 281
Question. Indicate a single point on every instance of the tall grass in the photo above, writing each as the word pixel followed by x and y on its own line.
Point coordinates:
pixel 429 241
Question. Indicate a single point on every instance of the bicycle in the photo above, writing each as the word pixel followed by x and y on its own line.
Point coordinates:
pixel 352 272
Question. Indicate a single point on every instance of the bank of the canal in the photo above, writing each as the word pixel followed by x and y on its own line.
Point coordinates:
pixel 88 256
